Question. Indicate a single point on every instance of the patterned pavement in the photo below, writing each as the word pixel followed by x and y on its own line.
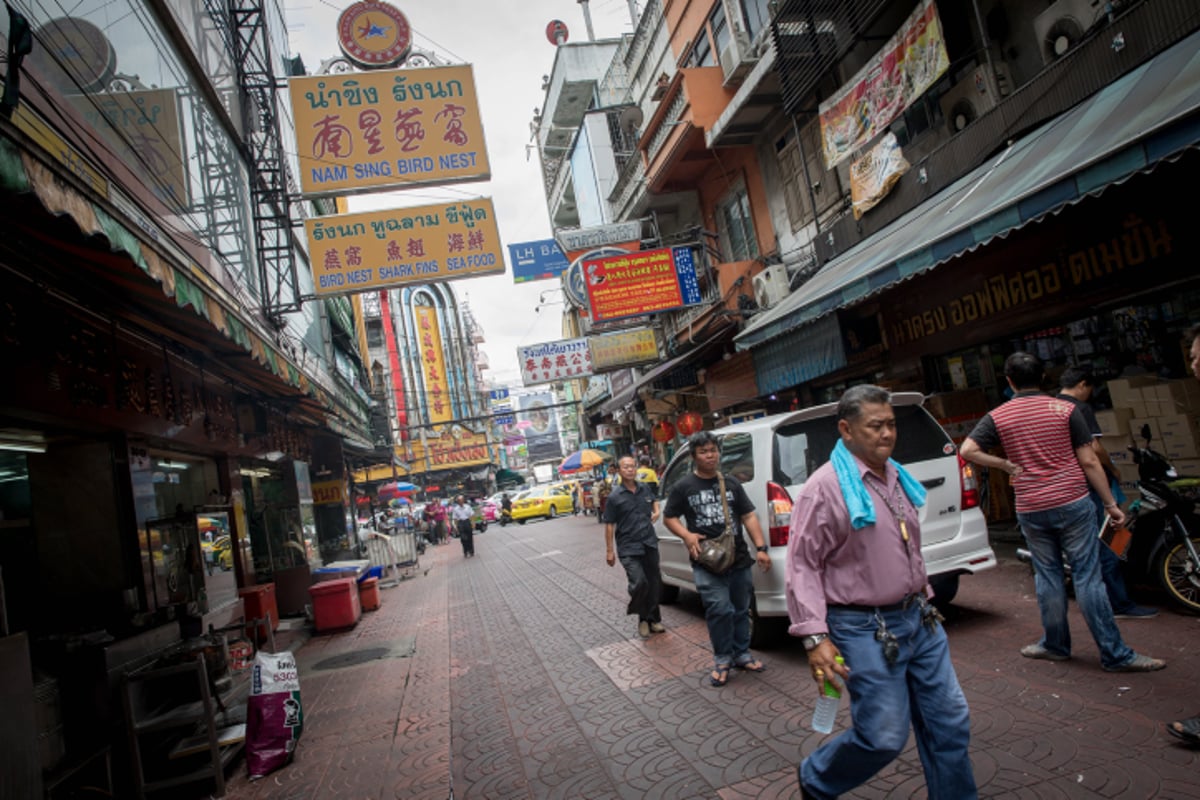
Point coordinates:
pixel 516 674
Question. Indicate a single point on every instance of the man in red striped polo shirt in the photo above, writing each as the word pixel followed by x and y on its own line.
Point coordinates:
pixel 1051 461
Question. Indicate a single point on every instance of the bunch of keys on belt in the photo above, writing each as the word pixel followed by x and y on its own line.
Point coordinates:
pixel 887 640
pixel 930 616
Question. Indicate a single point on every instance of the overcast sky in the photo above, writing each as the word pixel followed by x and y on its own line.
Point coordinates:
pixel 506 42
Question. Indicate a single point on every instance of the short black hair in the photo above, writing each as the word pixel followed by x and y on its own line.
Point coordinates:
pixel 703 439
pixel 853 399
pixel 1024 370
pixel 1072 376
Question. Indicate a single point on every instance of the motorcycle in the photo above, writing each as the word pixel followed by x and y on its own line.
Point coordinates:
pixel 1165 526
pixel 505 516
pixel 1165 542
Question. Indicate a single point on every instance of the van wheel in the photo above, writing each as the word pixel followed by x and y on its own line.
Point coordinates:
pixel 945 588
pixel 668 594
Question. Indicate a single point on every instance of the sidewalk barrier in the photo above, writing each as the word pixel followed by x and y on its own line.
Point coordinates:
pixel 395 554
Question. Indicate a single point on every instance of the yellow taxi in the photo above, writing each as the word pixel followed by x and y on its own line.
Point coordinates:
pixel 543 501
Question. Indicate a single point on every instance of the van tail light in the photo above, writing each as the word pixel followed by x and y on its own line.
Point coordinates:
pixel 779 515
pixel 970 484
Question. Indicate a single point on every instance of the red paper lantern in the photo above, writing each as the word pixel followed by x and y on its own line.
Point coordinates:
pixel 663 431
pixel 689 423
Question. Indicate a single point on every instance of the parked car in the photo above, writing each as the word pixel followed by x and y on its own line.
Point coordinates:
pixel 542 501
pixel 489 510
pixel 772 457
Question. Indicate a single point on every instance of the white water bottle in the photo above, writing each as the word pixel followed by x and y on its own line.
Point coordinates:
pixel 826 709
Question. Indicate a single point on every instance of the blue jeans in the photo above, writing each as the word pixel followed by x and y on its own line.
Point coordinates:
pixel 920 691
pixel 1071 530
pixel 727 612
pixel 1110 565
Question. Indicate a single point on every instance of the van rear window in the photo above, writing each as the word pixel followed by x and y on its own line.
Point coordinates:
pixel 802 447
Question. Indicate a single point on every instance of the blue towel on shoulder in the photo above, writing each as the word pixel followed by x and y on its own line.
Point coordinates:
pixel 854 491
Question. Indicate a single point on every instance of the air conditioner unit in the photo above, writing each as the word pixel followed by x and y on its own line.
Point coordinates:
pixel 973 95
pixel 1061 26
pixel 771 286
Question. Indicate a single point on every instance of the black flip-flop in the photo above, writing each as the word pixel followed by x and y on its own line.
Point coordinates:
pixel 719 676
pixel 1188 731
pixel 753 665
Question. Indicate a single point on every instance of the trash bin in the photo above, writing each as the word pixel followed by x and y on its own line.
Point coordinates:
pixel 368 594
pixel 335 604
pixel 259 603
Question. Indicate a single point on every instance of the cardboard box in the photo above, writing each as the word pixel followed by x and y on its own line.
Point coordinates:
pixel 1138 407
pixel 1176 449
pixel 1183 395
pixel 1115 421
pixel 1157 407
pixel 1187 467
pixel 1123 391
pixel 1180 426
pixel 1118 455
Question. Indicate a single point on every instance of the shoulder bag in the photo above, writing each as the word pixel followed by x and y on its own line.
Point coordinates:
pixel 717 554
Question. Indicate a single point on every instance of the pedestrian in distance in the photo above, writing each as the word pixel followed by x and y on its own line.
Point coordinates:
pixel 629 519
pixel 1189 729
pixel 646 474
pixel 1075 385
pixel 696 511
pixel 858 598
pixel 462 513
pixel 1052 462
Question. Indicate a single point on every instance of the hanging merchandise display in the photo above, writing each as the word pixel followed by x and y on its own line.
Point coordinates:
pixel 689 422
pixel 663 431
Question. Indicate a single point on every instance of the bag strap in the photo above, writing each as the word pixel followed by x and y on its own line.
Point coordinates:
pixel 725 503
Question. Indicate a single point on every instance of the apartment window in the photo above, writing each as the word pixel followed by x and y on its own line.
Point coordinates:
pixel 736 225
pixel 757 15
pixel 791 171
pixel 714 32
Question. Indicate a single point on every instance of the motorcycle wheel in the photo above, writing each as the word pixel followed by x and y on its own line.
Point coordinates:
pixel 1180 576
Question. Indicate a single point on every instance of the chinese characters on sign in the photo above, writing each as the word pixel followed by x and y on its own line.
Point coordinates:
pixel 636 346
pixel 555 361
pixel 433 364
pixel 389 129
pixel 645 282
pixel 909 63
pixel 379 249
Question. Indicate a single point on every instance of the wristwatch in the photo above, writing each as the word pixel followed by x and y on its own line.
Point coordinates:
pixel 762 548
pixel 811 641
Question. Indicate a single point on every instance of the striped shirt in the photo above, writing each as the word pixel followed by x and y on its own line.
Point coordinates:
pixel 1040 434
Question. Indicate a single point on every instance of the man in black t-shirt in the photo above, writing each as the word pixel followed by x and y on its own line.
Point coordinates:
pixel 1076 385
pixel 629 518
pixel 696 501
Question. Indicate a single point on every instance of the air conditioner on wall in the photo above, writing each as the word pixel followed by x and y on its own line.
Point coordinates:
pixel 771 286
pixel 973 95
pixel 1061 26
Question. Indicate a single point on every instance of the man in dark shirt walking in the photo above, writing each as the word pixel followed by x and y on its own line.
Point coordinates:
pixel 629 517
pixel 1050 457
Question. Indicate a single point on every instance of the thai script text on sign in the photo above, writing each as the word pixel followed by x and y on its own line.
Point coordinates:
pixel 379 249
pixel 644 282
pixel 388 129
pixel 909 63
pixel 549 362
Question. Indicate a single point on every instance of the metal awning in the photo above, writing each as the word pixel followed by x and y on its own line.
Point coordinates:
pixel 1148 115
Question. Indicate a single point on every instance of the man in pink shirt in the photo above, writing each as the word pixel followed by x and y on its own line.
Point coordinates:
pixel 857 588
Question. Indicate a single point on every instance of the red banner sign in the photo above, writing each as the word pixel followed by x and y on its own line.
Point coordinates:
pixel 645 282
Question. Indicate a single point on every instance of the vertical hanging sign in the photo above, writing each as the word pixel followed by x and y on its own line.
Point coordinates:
pixel 433 365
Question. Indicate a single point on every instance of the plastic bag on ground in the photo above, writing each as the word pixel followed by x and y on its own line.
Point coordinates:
pixel 274 717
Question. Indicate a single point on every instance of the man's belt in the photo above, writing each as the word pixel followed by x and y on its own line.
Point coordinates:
pixel 905 603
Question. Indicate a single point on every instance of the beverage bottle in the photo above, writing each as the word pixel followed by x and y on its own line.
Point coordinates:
pixel 827 706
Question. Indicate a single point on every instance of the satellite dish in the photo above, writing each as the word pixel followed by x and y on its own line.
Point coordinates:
pixel 630 120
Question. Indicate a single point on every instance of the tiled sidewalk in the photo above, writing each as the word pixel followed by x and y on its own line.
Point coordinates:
pixel 517 675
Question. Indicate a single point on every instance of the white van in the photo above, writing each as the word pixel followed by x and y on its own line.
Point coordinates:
pixel 773 456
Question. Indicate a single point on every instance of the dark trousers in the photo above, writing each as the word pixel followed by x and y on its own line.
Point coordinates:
pixel 645 585
pixel 467 536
